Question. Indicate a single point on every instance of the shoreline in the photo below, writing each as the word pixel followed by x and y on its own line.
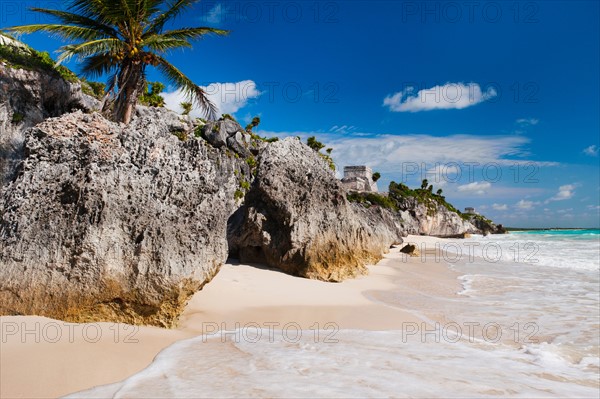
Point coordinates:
pixel 42 357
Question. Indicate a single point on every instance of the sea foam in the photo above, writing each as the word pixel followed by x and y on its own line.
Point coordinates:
pixel 360 364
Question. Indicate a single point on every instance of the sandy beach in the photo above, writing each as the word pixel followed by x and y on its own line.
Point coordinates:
pixel 42 357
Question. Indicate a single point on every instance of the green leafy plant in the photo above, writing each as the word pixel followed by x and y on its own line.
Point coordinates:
pixel 199 132
pixel 30 59
pixel 255 122
pixel 182 136
pixel 369 199
pixel 151 97
pixel 423 195
pixel 17 118
pixel 94 89
pixel 227 116
pixel 316 145
pixel 376 176
pixel 239 194
pixel 187 108
pixel 251 161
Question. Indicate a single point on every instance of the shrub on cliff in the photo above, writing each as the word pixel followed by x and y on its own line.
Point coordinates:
pixel 27 58
pixel 423 195
pixel 316 145
pixel 151 95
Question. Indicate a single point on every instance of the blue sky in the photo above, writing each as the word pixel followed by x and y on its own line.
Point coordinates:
pixel 495 102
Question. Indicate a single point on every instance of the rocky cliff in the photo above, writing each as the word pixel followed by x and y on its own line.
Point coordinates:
pixel 296 217
pixel 433 219
pixel 484 225
pixel 102 221
pixel 114 222
pixel 29 94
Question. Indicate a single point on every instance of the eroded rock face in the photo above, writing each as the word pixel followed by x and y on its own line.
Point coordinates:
pixel 228 133
pixel 486 226
pixel 296 218
pixel 27 97
pixel 108 222
pixel 435 220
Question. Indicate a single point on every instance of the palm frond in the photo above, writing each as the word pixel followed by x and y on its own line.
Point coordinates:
pixel 86 49
pixel 173 10
pixel 104 11
pixel 161 44
pixel 98 65
pixel 194 92
pixel 193 33
pixel 62 31
pixel 79 20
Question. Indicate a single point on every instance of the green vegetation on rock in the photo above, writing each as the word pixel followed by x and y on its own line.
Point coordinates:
pixel 32 60
pixel 17 118
pixel 369 199
pixel 255 122
pixel 187 107
pixel 94 89
pixel 423 195
pixel 316 145
pixel 151 95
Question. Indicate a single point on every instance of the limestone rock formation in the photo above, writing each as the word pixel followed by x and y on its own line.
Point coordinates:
pixel 296 218
pixel 27 97
pixel 432 219
pixel 112 222
pixel 228 133
pixel 486 226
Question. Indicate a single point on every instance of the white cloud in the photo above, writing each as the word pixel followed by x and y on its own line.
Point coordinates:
pixel 565 210
pixel 228 97
pixel 564 193
pixel 344 129
pixel 448 96
pixel 215 15
pixel 397 155
pixel 527 121
pixel 500 207
pixel 592 151
pixel 478 188
pixel 524 204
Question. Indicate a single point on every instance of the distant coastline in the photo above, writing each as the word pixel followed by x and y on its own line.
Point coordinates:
pixel 549 228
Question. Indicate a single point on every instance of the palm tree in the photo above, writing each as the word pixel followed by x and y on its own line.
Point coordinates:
pixel 187 107
pixel 122 38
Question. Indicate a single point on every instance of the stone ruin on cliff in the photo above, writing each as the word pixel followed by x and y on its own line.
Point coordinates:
pixel 359 178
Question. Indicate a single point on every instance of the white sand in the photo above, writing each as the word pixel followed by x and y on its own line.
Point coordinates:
pixel 40 357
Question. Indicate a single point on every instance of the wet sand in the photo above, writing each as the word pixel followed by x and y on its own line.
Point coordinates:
pixel 41 357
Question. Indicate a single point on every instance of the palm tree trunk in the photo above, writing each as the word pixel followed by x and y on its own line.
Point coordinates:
pixel 131 82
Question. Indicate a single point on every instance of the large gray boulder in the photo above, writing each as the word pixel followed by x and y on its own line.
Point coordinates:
pixel 27 97
pixel 296 218
pixel 228 133
pixel 113 222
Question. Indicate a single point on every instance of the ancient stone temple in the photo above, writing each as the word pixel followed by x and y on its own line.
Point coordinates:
pixel 359 178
